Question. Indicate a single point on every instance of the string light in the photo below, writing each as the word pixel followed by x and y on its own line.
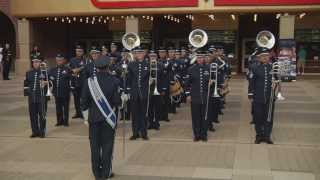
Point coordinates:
pixel 233 17
pixel 278 16
pixel 255 17
pixel 302 15
pixel 211 17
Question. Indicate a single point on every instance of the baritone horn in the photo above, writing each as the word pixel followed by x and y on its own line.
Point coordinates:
pixel 129 41
pixel 197 38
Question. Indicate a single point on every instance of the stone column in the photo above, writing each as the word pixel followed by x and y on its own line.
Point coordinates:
pixel 286 29
pixel 23 43
pixel 132 25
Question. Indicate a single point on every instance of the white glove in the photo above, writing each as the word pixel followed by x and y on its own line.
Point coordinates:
pixel 86 122
pixel 85 115
pixel 125 97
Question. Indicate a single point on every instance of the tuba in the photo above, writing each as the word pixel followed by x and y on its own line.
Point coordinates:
pixel 197 38
pixel 129 41
pixel 265 39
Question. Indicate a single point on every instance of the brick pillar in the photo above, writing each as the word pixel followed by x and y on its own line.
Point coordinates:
pixel 286 24
pixel 132 25
pixel 24 42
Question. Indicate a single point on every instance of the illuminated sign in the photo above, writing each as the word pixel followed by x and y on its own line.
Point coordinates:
pixel 117 4
pixel 264 2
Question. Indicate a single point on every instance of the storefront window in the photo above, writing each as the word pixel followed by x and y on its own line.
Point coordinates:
pixel 308 46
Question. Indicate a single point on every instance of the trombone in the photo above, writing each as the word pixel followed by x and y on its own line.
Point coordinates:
pixel 276 72
pixel 214 67
pixel 153 77
pixel 44 77
pixel 44 74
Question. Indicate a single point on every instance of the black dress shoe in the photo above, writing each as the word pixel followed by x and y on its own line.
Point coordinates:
pixel 258 140
pixel 58 124
pixel 66 125
pixel 212 129
pixel 157 128
pixel 146 138
pixel 167 120
pixel 42 135
pixel 33 135
pixel 77 116
pixel 196 139
pixel 268 141
pixel 252 122
pixel 204 139
pixel 111 175
pixel 133 138
pixel 216 121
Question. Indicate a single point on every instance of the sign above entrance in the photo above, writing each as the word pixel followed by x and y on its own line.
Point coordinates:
pixel 117 4
pixel 264 2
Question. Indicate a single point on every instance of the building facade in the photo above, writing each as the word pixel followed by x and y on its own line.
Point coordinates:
pixel 56 26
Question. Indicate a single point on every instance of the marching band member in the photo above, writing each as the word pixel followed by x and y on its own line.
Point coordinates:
pixel 184 71
pixel 222 74
pixel 35 86
pixel 252 61
pixel 125 113
pixel 198 81
pixel 260 87
pixel 101 93
pixel 215 101
pixel 90 68
pixel 104 51
pixel 115 52
pixel 6 61
pixel 166 83
pixel 213 106
pixel 171 59
pixel 60 77
pixel 138 83
pixel 155 92
pixel 77 66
